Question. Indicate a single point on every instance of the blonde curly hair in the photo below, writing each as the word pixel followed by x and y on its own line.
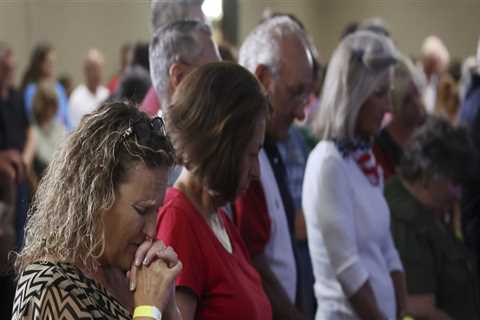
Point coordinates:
pixel 65 220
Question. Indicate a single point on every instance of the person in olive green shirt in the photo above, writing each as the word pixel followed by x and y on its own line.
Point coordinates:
pixel 440 271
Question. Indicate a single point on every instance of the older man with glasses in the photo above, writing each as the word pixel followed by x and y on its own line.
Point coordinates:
pixel 277 52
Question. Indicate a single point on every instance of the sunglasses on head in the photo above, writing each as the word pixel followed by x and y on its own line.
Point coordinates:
pixel 150 133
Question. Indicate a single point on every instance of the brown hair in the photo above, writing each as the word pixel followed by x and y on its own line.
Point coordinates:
pixel 45 102
pixel 34 69
pixel 212 119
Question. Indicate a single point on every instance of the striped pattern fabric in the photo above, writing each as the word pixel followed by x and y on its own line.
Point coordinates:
pixel 48 290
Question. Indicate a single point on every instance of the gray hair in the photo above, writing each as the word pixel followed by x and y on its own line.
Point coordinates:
pixel 262 45
pixel 376 25
pixel 405 73
pixel 356 68
pixel 168 11
pixel 438 149
pixel 175 42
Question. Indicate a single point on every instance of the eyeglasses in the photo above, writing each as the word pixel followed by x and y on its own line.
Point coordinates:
pixel 149 133
pixel 298 95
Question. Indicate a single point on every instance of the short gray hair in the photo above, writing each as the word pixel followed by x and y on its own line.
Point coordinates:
pixel 438 149
pixel 356 68
pixel 376 25
pixel 175 42
pixel 168 11
pixel 262 45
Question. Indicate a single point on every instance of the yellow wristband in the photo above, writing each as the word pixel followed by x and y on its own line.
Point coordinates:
pixel 407 318
pixel 147 312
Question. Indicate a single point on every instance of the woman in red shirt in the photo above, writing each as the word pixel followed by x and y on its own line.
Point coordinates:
pixel 217 125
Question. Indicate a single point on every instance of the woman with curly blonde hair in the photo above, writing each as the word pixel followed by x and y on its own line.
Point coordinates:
pixel 93 220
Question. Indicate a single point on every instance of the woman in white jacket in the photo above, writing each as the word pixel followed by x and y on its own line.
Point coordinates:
pixel 358 273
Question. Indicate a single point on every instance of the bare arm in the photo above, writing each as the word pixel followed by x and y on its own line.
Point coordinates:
pixel 187 303
pixel 173 311
pixel 364 303
pixel 29 150
pixel 423 306
pixel 281 306
pixel 400 286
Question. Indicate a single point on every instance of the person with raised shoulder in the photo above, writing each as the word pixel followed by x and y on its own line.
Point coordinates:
pixel 89 251
pixel 216 121
pixel 358 272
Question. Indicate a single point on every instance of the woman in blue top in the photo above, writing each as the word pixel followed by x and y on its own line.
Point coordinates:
pixel 41 68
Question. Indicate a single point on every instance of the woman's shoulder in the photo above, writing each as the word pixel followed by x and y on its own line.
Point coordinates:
pixel 325 157
pixel 177 217
pixel 41 275
pixel 326 149
pixel 41 285
pixel 56 290
pixel 176 203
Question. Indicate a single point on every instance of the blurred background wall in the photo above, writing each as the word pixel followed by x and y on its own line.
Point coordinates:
pixel 410 21
pixel 73 26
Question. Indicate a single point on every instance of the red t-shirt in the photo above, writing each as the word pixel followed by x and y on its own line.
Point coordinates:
pixel 226 285
pixel 113 84
pixel 252 219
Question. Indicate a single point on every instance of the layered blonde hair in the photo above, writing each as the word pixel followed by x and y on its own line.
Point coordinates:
pixel 65 220
pixel 356 69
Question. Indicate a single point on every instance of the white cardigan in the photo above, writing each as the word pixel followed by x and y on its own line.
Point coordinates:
pixel 348 227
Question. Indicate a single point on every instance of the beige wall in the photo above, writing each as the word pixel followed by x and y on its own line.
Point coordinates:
pixel 73 26
pixel 410 21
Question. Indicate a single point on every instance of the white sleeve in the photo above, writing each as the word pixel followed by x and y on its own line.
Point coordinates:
pixel 75 106
pixel 334 209
pixel 391 254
